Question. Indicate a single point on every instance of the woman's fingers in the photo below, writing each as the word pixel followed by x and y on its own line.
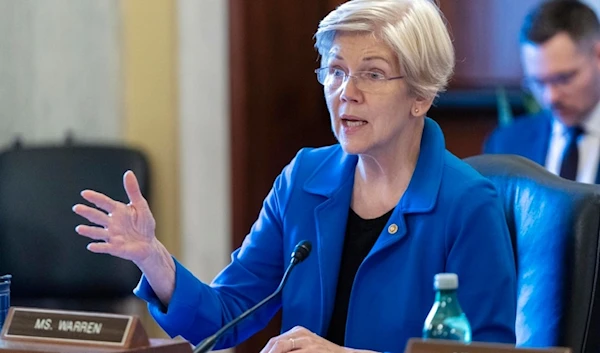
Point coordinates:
pixel 91 214
pixel 100 248
pixel 96 233
pixel 132 188
pixel 100 200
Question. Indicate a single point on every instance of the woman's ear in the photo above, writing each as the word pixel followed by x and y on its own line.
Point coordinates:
pixel 596 49
pixel 420 106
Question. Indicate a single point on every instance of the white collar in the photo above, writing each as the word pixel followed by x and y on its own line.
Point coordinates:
pixel 591 124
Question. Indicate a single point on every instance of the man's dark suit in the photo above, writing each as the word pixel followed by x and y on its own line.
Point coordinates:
pixel 527 136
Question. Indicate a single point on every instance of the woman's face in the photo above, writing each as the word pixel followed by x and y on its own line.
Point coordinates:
pixel 368 120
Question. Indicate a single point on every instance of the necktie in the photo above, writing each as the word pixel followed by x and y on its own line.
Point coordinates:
pixel 568 169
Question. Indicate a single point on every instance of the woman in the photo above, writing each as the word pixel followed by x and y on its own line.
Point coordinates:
pixel 385 209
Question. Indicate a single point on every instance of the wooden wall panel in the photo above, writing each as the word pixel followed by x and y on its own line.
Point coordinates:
pixel 486 40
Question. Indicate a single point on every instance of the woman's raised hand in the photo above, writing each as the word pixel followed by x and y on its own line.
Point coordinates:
pixel 124 230
pixel 127 231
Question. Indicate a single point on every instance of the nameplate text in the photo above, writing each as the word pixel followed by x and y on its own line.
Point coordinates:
pixel 68 326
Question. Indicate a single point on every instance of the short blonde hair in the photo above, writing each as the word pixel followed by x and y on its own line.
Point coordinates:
pixel 414 29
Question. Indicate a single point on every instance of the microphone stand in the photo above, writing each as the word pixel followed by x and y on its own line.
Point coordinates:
pixel 209 343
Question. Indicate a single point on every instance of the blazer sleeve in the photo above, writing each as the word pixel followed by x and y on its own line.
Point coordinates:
pixel 197 310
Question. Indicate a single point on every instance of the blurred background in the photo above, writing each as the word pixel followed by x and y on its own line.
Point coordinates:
pixel 219 95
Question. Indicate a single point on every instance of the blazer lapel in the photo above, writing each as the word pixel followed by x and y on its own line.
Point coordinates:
pixel 422 192
pixel 330 218
pixel 333 180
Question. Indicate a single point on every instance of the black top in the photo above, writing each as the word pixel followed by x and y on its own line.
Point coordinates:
pixel 361 235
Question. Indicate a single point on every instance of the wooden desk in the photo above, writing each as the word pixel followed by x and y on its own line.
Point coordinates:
pixel 156 346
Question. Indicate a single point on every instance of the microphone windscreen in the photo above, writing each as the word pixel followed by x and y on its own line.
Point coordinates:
pixel 302 250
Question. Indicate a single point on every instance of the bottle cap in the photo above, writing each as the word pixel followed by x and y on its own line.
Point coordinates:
pixel 445 281
pixel 5 283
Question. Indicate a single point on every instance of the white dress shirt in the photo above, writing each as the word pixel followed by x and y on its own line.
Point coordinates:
pixel 588 145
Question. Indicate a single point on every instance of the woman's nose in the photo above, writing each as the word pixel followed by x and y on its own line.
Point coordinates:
pixel 350 91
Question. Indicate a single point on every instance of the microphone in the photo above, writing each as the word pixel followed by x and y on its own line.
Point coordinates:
pixel 300 253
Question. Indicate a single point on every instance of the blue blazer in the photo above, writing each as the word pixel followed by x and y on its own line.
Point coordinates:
pixel 449 220
pixel 527 136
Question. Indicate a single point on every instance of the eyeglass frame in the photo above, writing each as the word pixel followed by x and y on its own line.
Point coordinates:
pixel 559 80
pixel 356 76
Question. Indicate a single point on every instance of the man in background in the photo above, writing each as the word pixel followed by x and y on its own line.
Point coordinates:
pixel 560 52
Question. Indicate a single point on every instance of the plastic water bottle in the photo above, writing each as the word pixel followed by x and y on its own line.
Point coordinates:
pixel 446 319
pixel 4 297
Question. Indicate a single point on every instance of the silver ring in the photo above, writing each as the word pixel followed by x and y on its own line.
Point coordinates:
pixel 293 343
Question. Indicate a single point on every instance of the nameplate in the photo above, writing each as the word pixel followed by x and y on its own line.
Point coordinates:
pixel 416 345
pixel 58 326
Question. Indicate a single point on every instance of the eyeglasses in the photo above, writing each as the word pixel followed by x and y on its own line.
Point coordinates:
pixel 366 81
pixel 560 80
